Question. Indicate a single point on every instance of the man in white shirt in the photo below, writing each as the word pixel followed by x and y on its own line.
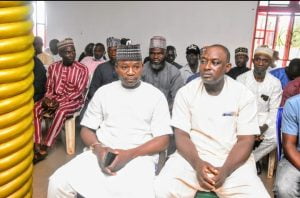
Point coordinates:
pixel 127 118
pixel 215 120
pixel 267 90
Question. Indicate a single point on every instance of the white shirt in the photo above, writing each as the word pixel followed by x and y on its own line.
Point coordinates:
pixel 214 122
pixel 268 95
pixel 126 118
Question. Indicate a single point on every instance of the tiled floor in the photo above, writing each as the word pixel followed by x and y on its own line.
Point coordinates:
pixel 58 157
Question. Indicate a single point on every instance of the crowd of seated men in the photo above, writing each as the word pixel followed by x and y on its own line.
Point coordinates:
pixel 215 122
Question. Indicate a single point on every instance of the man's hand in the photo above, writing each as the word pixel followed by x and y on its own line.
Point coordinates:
pixel 205 174
pixel 101 153
pixel 122 158
pixel 220 178
pixel 49 105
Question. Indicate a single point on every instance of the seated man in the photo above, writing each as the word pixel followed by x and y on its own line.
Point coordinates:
pixel 288 170
pixel 215 120
pixel 291 89
pixel 268 92
pixel 66 83
pixel 287 74
pixel 241 58
pixel 127 118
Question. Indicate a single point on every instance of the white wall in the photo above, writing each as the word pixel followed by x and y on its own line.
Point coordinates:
pixel 182 23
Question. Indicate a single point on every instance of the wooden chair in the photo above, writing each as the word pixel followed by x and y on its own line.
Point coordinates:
pixel 68 133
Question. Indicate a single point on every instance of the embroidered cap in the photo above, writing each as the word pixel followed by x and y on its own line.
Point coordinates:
pixel 158 42
pixel 129 53
pixel 264 50
pixel 65 43
pixel 241 51
pixel 112 42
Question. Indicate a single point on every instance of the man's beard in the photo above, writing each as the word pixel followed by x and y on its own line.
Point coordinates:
pixel 259 72
pixel 158 66
pixel 130 85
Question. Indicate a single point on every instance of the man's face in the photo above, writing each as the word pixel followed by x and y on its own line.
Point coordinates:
pixel 213 65
pixel 261 63
pixel 157 55
pixel 112 52
pixel 192 58
pixel 170 55
pixel 68 55
pixel 98 52
pixel 129 72
pixel 241 60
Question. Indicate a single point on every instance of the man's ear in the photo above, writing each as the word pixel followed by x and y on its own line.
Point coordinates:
pixel 228 67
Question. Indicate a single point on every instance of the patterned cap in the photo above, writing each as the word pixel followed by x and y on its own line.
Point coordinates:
pixel 158 42
pixel 264 50
pixel 65 43
pixel 192 49
pixel 129 53
pixel 112 42
pixel 241 51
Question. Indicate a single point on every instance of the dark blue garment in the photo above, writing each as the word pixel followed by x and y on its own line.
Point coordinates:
pixel 281 75
pixel 192 77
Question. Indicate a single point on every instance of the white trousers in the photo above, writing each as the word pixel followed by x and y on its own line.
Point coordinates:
pixel 83 175
pixel 178 180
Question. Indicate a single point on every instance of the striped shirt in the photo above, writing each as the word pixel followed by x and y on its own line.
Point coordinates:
pixel 67 83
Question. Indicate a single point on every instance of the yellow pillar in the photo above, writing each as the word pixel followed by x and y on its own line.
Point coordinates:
pixel 16 103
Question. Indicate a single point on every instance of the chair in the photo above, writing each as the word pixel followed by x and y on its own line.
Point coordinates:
pixel 69 128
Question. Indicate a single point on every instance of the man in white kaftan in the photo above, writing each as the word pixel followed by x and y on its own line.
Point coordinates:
pixel 218 128
pixel 134 120
pixel 268 94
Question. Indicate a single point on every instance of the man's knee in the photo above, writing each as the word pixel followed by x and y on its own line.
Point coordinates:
pixel 59 187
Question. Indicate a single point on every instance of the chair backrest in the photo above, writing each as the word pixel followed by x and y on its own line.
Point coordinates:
pixel 278 132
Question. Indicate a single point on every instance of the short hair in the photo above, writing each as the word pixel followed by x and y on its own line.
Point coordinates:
pixel 88 46
pixel 294 68
pixel 170 47
pixel 53 42
pixel 99 45
pixel 225 49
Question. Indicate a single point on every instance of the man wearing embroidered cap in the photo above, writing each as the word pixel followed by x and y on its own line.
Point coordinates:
pixel 66 83
pixel 192 67
pixel 128 118
pixel 159 72
pixel 105 73
pixel 241 59
pixel 268 93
